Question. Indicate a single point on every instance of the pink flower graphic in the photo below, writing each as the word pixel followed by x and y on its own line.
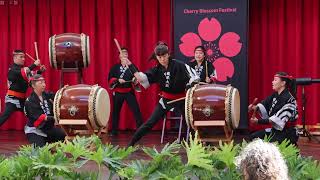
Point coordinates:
pixel 219 51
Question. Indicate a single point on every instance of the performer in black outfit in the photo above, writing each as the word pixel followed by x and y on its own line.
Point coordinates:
pixel 40 128
pixel 174 78
pixel 204 69
pixel 121 81
pixel 278 109
pixel 17 84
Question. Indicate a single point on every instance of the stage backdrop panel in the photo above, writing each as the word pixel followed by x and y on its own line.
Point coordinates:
pixel 221 27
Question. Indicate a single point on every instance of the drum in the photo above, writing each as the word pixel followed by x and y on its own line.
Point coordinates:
pixel 83 102
pixel 213 102
pixel 69 50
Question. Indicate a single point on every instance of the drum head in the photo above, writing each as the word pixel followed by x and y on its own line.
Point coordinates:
pixel 102 107
pixel 235 108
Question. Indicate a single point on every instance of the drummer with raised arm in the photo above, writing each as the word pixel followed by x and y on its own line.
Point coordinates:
pixel 173 77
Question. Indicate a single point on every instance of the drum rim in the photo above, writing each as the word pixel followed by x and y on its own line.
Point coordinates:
pixel 227 105
pixel 88 49
pixel 188 106
pixel 84 49
pixel 56 102
pixel 91 106
pixel 235 125
pixel 52 52
pixel 230 92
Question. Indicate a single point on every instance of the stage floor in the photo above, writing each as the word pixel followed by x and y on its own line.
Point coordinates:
pixel 10 141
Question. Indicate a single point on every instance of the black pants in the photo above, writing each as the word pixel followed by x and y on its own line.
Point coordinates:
pixel 54 134
pixel 277 136
pixel 9 109
pixel 157 114
pixel 118 99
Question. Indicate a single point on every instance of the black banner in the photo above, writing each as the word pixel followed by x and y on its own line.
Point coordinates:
pixel 221 26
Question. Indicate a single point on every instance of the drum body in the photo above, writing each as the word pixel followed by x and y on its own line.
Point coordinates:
pixel 83 102
pixel 69 50
pixel 213 102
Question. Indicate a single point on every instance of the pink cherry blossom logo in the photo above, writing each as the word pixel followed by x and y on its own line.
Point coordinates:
pixel 219 51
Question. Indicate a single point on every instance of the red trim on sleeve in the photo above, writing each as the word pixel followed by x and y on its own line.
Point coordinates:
pixel 24 74
pixel 41 118
pixel 112 80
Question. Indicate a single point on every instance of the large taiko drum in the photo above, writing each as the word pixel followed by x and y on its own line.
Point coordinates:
pixel 213 102
pixel 83 102
pixel 69 50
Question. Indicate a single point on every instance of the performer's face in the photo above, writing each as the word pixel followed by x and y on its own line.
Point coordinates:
pixel 39 86
pixel 19 58
pixel 278 84
pixel 199 55
pixel 163 59
pixel 123 55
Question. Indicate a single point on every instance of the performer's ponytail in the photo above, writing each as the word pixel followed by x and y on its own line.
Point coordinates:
pixel 290 82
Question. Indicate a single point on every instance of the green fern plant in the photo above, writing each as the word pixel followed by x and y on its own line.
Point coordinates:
pixel 77 148
pixel 51 164
pixel 226 153
pixel 164 164
pixel 114 157
pixel 199 162
pixel 5 166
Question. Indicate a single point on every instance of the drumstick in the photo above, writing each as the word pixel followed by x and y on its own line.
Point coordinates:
pixel 33 59
pixel 203 83
pixel 30 57
pixel 176 100
pixel 128 81
pixel 118 45
pixel 119 49
pixel 36 49
pixel 254 111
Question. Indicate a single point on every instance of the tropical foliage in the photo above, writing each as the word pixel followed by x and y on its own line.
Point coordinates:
pixel 65 160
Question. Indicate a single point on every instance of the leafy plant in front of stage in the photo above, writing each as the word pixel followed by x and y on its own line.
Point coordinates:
pixel 164 164
pixel 223 159
pixel 199 162
pixel 114 156
pixel 299 167
pixel 63 160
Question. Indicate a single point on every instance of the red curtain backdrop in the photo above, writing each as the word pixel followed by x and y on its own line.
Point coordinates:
pixel 137 24
pixel 283 36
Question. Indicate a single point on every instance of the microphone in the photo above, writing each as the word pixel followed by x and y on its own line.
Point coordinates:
pixel 306 81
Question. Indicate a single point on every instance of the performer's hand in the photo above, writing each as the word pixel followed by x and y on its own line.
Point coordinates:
pixel 126 61
pixel 254 120
pixel 252 107
pixel 27 70
pixel 121 81
pixel 134 80
pixel 37 62
pixel 208 80
pixel 43 68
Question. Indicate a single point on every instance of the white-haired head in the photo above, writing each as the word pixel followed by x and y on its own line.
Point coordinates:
pixel 261 160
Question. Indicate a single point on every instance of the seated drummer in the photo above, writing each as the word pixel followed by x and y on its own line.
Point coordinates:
pixel 40 128
pixel 279 110
pixel 174 78
pixel 203 67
